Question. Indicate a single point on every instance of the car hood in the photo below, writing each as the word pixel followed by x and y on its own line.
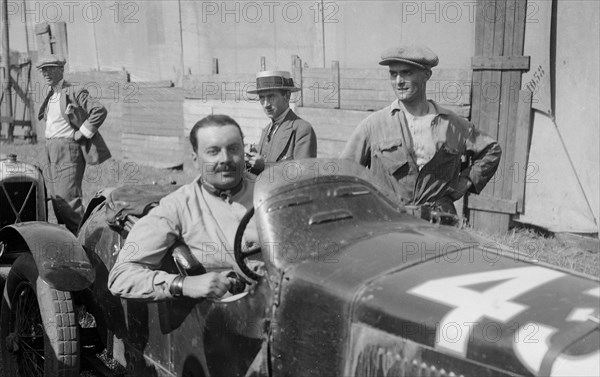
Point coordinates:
pixel 359 284
pixel 488 306
pixel 416 295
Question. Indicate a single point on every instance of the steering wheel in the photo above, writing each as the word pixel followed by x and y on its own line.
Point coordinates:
pixel 240 255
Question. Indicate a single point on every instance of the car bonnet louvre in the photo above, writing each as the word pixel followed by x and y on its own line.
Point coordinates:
pixel 351 191
pixel 290 202
pixel 329 216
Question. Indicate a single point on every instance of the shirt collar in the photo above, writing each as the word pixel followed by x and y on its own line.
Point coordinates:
pixel 223 194
pixel 58 86
pixel 397 106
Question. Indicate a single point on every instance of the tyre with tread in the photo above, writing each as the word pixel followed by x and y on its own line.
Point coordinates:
pixel 39 334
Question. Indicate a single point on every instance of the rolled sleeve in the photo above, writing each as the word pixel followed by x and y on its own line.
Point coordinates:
pixel 486 158
pixel 97 113
pixel 136 273
pixel 87 130
pixel 358 146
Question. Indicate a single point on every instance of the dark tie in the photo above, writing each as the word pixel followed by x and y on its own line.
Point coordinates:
pixel 44 106
pixel 271 131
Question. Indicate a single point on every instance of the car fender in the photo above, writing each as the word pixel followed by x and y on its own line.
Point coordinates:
pixel 60 259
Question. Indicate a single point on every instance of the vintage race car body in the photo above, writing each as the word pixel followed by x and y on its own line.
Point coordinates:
pixel 361 289
pixel 353 287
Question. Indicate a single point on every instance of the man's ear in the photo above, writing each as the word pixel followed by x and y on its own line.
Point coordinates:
pixel 428 73
pixel 195 160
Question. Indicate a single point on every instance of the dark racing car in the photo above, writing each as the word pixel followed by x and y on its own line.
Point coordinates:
pixel 352 286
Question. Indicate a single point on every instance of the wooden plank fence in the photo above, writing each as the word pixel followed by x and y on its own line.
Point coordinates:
pixel 145 119
pixel 152 125
pixel 111 89
pixel 336 88
pixel 370 89
pixel 353 92
pixel 223 94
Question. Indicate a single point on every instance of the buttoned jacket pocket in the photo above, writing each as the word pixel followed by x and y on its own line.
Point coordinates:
pixel 391 154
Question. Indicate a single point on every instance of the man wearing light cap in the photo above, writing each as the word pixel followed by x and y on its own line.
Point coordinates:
pixel 288 136
pixel 72 140
pixel 415 145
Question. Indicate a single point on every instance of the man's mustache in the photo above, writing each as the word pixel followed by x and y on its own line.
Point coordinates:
pixel 225 167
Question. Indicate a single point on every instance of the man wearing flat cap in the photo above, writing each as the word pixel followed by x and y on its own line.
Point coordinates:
pixel 288 136
pixel 415 146
pixel 72 120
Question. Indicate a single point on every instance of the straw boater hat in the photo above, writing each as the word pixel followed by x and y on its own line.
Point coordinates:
pixel 273 80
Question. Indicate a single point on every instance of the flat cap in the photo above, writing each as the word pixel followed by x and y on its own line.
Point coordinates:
pixel 51 61
pixel 420 56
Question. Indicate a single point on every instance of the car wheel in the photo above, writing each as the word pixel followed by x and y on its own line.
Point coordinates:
pixel 39 335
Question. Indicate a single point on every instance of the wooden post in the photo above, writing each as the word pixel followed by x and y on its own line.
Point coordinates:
pixel 59 39
pixel 263 63
pixel 523 133
pixel 335 82
pixel 42 38
pixel 6 65
pixel 297 77
pixel 29 105
pixel 215 66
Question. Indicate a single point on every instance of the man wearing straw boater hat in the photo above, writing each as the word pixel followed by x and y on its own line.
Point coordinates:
pixel 415 145
pixel 287 136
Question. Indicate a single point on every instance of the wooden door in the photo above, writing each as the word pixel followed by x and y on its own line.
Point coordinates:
pixel 501 109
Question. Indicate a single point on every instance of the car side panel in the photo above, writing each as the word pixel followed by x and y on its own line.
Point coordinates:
pixel 173 337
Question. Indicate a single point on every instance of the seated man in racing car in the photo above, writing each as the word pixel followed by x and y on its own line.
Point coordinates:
pixel 203 214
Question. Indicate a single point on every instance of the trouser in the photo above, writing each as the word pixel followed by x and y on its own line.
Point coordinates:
pixel 64 177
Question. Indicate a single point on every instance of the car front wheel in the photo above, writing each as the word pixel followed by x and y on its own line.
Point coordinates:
pixel 39 335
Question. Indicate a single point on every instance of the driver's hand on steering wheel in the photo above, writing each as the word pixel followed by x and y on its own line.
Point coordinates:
pixel 211 285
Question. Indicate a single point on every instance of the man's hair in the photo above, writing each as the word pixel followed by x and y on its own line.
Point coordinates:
pixel 218 120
